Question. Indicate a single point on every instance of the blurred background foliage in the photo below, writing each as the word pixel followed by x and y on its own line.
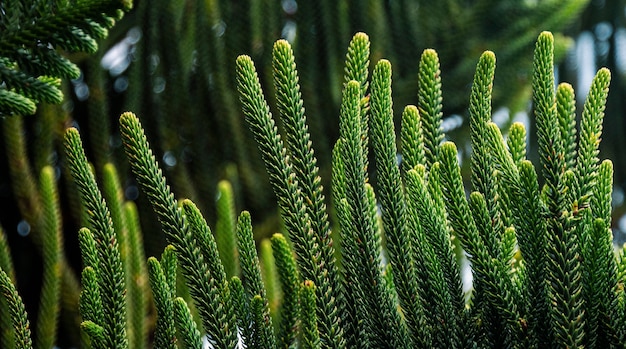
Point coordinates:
pixel 172 63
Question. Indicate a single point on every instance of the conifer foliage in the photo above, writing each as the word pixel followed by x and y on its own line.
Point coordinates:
pixel 33 34
pixel 385 275
pixel 542 261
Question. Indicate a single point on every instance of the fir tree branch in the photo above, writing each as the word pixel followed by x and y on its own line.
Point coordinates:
pixel 357 61
pixel 482 176
pixel 391 196
pixel 491 276
pixel 187 330
pixel 600 288
pixel 565 286
pixel 438 298
pixel 590 135
pixel 435 297
pixel 94 331
pixel 411 139
pixel 17 312
pixel 304 163
pixel 357 69
pixel 430 104
pixel 42 60
pixel 252 282
pixel 260 321
pixel 288 276
pixel 44 27
pixel 165 332
pixel 42 89
pixel 14 103
pixel 356 331
pixel 600 266
pixel 111 274
pixel 516 142
pixel 213 281
pixel 90 297
pixel 88 249
pixel 30 35
pixel 551 149
pixel 564 272
pixel 242 308
pixel 566 116
pixel 290 200
pixel 90 304
pixel 310 333
pixel 362 232
pixel 530 226
pixel 216 310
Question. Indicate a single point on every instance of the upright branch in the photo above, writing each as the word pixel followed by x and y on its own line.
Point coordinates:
pixel 391 196
pixel 110 271
pixel 430 104
pixel 203 271
pixel 290 199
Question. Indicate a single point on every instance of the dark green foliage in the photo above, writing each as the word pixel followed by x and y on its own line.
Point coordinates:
pixel 263 334
pixel 304 163
pixel 544 272
pixel 187 329
pixel 517 290
pixel 566 116
pixel 207 281
pixel 289 283
pixel 516 142
pixel 110 273
pixel 30 65
pixel 319 35
pixel 17 312
pixel 430 104
pixel 290 199
pixel 181 82
pixel 360 231
pixel 392 200
pixel 412 139
pixel 357 69
pixel 435 263
pixel 165 333
pixel 310 334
